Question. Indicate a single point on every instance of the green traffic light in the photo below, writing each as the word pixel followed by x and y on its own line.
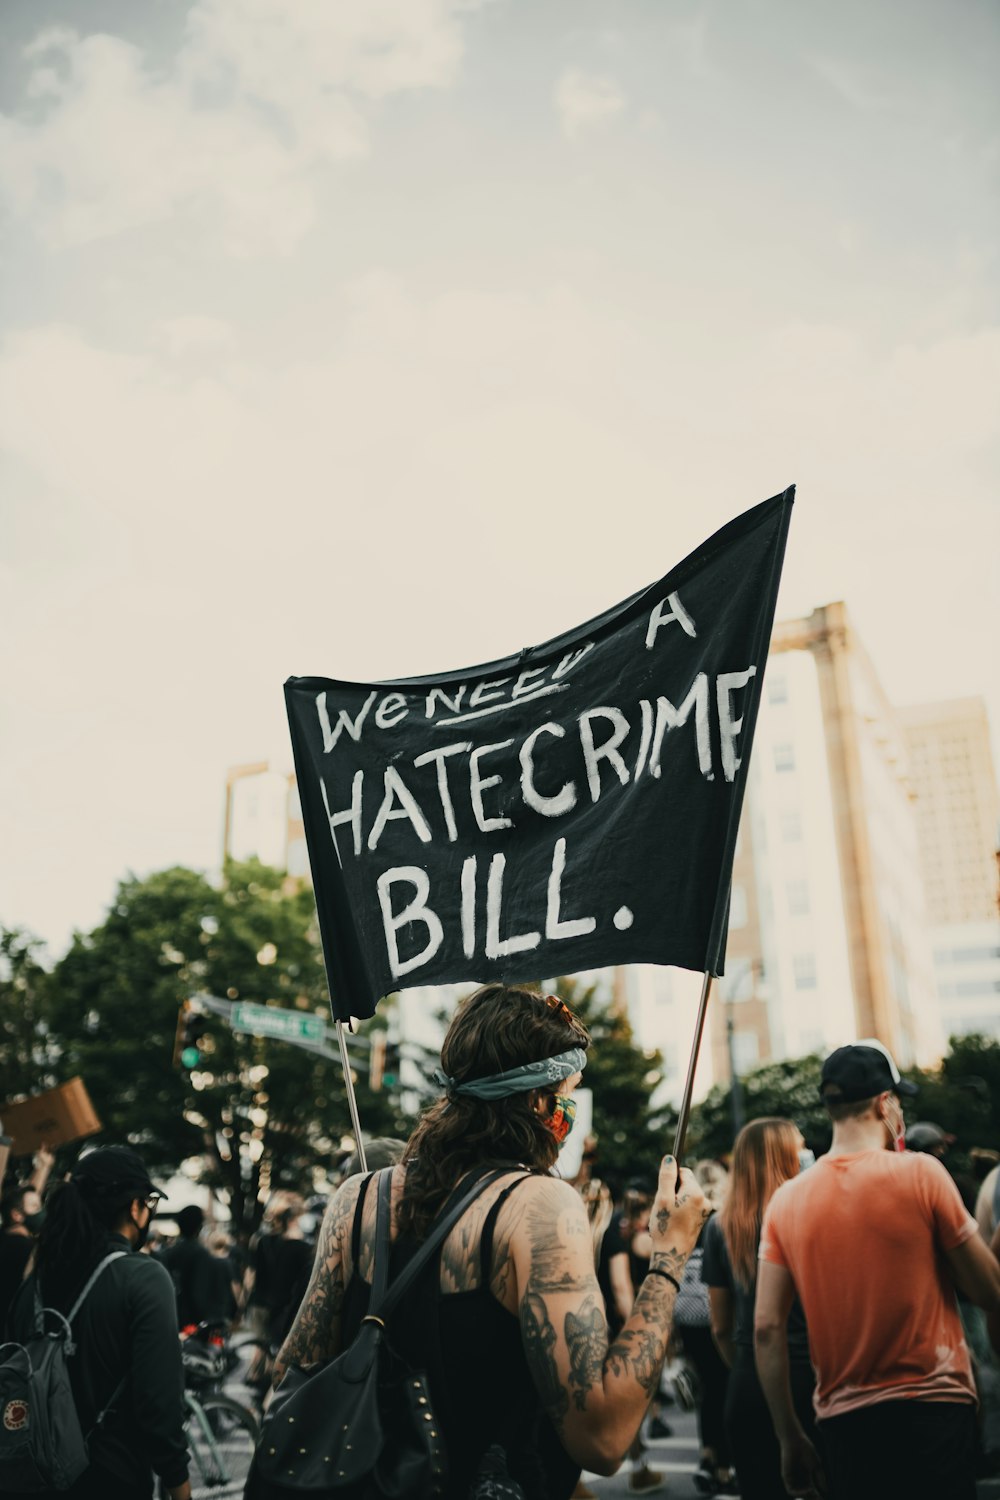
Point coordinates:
pixel 190 1057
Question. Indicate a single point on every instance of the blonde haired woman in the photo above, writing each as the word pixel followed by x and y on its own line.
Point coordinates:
pixel 766 1154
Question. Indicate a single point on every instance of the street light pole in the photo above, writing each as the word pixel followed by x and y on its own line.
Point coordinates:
pixel 736 1108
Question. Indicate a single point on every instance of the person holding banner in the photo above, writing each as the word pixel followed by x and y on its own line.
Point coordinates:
pixel 508 1320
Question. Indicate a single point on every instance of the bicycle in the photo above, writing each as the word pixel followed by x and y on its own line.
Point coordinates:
pixel 221 1433
pixel 221 1437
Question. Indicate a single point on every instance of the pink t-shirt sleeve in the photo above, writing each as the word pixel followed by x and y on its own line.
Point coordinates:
pixel 953 1224
pixel 770 1234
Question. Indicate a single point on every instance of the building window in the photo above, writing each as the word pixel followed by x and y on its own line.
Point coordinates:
pixel 777 690
pixel 738 907
pixel 746 1050
pixel 798 898
pixel 791 825
pixel 804 970
pixel 784 758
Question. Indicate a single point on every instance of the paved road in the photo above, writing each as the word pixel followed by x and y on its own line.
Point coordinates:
pixel 677 1458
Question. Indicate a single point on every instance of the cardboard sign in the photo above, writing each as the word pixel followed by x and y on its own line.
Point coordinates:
pixel 573 806
pixel 54 1118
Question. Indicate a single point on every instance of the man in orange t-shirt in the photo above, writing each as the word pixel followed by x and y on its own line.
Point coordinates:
pixel 873 1240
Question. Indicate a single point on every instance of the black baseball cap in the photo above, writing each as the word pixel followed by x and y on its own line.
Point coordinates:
pixel 860 1071
pixel 107 1171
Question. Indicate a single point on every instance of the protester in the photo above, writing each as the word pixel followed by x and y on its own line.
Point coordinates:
pixel 692 1318
pixel 765 1155
pixel 202 1293
pixel 21 1217
pixel 611 1261
pixel 280 1261
pixel 873 1240
pixel 988 1205
pixel 634 1229
pixel 226 1269
pixel 125 1333
pixel 523 1251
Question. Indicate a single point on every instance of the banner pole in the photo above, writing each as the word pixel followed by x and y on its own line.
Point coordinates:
pixel 351 1097
pixel 685 1109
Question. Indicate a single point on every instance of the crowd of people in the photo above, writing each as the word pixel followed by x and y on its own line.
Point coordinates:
pixel 832 1316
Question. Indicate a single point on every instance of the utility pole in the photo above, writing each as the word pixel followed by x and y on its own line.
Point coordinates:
pixel 736 1107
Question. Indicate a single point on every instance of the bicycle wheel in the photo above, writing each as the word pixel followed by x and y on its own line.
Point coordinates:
pixel 221 1435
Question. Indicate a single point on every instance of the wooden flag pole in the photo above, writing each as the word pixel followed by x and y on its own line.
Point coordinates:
pixel 352 1100
pixel 685 1109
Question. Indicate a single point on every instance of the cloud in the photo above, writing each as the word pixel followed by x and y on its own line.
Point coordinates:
pixel 585 101
pixel 260 98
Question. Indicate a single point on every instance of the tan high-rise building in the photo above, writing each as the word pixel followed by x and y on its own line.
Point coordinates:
pixel 828 934
pixel 958 807
pixel 958 811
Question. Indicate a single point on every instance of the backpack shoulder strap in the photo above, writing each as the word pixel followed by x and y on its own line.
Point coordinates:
pixel 383 1220
pixel 98 1271
pixel 438 1232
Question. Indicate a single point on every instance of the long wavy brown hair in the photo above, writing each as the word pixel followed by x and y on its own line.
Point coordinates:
pixel 765 1155
pixel 497 1028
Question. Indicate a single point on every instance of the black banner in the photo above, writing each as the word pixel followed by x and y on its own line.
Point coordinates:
pixel 567 808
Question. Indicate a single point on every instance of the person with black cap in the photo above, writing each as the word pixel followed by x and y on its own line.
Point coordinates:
pixel 874 1241
pixel 203 1294
pixel 127 1360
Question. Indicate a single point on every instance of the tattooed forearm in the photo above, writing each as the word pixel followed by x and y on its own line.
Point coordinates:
pixel 539 1338
pixel 638 1352
pixel 315 1334
pixel 587 1342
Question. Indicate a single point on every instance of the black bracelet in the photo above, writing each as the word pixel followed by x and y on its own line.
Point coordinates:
pixel 655 1271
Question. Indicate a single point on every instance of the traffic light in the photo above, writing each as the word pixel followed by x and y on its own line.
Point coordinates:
pixel 390 1066
pixel 376 1061
pixel 191 1027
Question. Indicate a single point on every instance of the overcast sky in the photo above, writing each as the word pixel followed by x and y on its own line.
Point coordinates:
pixel 371 337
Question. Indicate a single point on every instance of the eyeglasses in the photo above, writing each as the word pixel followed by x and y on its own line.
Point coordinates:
pixel 152 1201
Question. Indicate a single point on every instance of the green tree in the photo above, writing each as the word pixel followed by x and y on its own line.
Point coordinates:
pixel 256 1113
pixel 962 1096
pixel 26 1061
pixel 633 1134
pixel 788 1089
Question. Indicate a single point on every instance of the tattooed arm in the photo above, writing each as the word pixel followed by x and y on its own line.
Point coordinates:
pixel 315 1334
pixel 595 1395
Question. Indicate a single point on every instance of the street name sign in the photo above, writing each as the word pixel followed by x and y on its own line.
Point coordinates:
pixel 285 1025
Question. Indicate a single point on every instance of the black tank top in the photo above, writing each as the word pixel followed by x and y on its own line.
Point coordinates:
pixel 470 1349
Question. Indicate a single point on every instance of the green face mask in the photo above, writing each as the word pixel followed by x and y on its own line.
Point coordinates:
pixel 34 1222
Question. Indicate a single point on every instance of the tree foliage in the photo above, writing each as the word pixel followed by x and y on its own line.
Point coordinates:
pixel 25 1047
pixel 962 1095
pixel 257 1114
pixel 788 1089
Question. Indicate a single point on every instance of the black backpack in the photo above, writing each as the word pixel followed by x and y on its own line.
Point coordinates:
pixel 42 1445
pixel 362 1427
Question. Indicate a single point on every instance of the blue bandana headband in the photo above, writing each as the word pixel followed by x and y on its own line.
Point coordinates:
pixel 533 1075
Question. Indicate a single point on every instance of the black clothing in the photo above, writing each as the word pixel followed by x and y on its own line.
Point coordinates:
pixel 612 1244
pixel 753 1447
pixel 126 1327
pixel 713 1378
pixel 470 1348
pixel 203 1295
pixel 716 1270
pixel 15 1252
pixel 278 1265
pixel 925 1450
